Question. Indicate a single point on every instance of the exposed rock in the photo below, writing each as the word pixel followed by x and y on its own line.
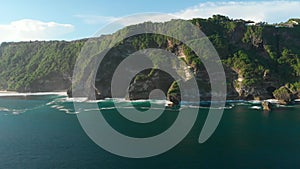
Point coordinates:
pixel 175 99
pixel 170 104
pixel 174 94
pixel 146 82
pixel 259 91
pixel 140 89
pixel 254 93
pixel 283 95
pixel 69 92
pixel 266 75
pixel 52 82
pixel 266 106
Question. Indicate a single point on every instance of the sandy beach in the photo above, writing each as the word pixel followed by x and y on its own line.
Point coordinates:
pixel 14 93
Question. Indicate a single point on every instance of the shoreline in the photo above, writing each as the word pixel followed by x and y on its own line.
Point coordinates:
pixel 64 93
pixel 14 93
pixel 7 91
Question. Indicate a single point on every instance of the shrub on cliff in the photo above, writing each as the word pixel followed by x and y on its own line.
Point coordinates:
pixel 283 94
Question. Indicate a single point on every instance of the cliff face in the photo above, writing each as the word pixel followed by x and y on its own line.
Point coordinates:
pixel 258 59
pixel 54 81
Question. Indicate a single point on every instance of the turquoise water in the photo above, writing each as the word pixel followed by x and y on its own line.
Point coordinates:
pixel 44 132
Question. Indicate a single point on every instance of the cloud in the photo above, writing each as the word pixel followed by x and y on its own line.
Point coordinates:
pixel 267 11
pixel 112 24
pixel 27 29
pixel 96 19
pixel 126 20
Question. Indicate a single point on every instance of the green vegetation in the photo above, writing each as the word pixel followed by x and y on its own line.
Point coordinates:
pixel 249 50
pixel 289 64
pixel 174 89
pixel 144 75
pixel 250 70
pixel 24 62
pixel 283 94
pixel 295 86
pixel 253 35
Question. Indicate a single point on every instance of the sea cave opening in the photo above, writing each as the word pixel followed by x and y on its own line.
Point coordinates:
pixel 270 90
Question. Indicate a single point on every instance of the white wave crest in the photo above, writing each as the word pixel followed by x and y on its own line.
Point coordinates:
pixel 255 107
pixel 12 111
pixel 274 101
pixel 73 99
pixel 255 101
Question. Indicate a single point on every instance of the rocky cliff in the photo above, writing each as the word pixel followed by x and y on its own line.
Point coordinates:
pixel 258 59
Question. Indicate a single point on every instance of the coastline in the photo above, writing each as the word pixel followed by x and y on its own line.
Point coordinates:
pixel 4 93
pixel 14 93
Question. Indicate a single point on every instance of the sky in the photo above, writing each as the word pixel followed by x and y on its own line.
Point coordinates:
pixel 76 19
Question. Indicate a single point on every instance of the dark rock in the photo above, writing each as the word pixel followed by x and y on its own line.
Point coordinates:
pixel 69 92
pixel 175 99
pixel 146 82
pixel 140 89
pixel 174 94
pixel 54 81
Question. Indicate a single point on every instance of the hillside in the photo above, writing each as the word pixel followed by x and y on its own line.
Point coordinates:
pixel 37 65
pixel 257 58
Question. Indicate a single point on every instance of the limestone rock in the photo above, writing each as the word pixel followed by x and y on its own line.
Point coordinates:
pixel 266 106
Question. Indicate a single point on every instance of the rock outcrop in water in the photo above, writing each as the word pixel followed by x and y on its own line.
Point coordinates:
pixel 266 106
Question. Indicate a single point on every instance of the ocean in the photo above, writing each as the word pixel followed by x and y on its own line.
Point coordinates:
pixel 43 131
